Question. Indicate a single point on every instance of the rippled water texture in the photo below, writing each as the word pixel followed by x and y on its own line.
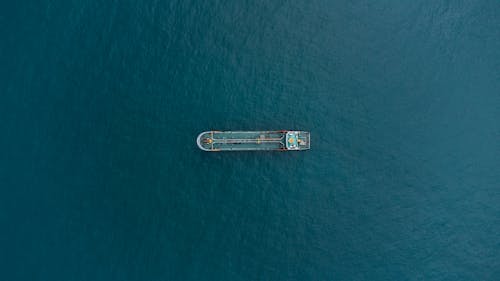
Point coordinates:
pixel 101 102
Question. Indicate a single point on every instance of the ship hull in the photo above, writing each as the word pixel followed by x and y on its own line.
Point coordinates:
pixel 282 140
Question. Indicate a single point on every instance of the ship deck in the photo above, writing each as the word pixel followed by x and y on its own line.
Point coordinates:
pixel 247 140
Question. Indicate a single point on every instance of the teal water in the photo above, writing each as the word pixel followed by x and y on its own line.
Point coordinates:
pixel 101 102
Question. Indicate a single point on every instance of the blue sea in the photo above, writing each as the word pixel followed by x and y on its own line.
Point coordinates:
pixel 101 103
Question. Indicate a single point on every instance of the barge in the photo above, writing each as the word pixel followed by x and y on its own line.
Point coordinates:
pixel 282 140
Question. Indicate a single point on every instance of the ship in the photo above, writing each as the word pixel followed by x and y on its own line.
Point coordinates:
pixel 282 140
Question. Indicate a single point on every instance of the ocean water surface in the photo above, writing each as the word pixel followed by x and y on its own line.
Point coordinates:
pixel 101 102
